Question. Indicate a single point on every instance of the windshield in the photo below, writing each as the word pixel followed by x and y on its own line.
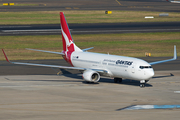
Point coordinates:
pixel 144 67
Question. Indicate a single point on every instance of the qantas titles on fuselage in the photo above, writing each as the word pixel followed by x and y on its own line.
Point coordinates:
pixel 94 65
pixel 118 62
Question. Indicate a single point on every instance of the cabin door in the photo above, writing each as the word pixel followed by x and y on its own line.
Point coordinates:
pixel 133 68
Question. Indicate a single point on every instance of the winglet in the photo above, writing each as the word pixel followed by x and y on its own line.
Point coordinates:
pixel 175 53
pixel 5 56
pixel 174 58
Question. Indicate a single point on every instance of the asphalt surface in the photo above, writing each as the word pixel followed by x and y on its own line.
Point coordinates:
pixel 95 28
pixel 11 69
pixel 52 97
pixel 57 5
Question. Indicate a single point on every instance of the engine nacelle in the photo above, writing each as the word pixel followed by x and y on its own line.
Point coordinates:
pixel 91 76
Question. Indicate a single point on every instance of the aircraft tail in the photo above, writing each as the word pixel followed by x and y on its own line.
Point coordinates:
pixel 68 44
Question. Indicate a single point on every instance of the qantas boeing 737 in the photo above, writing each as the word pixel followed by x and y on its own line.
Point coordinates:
pixel 95 65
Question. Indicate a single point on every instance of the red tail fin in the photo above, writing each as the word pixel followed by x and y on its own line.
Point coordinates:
pixel 68 44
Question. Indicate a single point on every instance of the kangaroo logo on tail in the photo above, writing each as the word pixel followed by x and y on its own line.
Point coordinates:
pixel 66 35
pixel 68 44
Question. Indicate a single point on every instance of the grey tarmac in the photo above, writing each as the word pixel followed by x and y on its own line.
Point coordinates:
pixel 91 28
pixel 37 97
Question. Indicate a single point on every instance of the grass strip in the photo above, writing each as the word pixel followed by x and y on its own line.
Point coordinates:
pixel 130 44
pixel 82 16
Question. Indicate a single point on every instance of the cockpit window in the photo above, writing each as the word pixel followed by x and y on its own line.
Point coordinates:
pixel 144 67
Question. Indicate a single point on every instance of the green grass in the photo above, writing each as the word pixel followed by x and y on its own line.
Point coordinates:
pixel 52 17
pixel 17 4
pixel 129 44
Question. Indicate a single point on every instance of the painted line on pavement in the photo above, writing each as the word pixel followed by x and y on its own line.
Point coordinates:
pixel 127 30
pixel 57 31
pixel 118 2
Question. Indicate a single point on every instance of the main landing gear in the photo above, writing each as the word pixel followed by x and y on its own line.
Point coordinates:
pixel 142 83
pixel 116 80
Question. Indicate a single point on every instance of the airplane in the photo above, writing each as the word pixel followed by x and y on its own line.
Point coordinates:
pixel 94 65
pixel 173 1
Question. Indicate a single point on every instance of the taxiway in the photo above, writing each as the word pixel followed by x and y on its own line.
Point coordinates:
pixel 95 28
pixel 68 97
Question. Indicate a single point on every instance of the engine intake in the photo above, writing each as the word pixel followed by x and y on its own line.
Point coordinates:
pixel 91 76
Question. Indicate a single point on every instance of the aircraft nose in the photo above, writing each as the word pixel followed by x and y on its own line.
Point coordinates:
pixel 151 73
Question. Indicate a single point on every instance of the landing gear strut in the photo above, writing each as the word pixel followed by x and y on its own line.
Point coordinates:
pixel 116 80
pixel 142 83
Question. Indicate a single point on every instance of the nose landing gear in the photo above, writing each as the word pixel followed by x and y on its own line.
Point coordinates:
pixel 142 83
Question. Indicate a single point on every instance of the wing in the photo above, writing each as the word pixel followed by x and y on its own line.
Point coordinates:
pixel 53 66
pixel 60 53
pixel 174 58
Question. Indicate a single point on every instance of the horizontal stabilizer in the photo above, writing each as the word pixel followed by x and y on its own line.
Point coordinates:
pixel 84 50
pixel 60 53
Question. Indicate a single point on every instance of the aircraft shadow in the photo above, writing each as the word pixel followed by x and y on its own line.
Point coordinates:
pixel 124 108
pixel 68 74
pixel 102 80
pixel 164 76
pixel 124 82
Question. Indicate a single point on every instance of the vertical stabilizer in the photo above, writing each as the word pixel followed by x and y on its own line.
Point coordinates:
pixel 68 44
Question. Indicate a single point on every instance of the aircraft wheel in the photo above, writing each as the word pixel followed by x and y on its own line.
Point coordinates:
pixel 142 85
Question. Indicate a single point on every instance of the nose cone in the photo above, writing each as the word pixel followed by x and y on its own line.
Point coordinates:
pixel 150 73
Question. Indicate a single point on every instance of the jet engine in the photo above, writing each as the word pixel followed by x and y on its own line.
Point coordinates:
pixel 91 76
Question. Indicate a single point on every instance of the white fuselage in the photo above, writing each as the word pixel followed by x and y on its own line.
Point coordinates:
pixel 117 66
